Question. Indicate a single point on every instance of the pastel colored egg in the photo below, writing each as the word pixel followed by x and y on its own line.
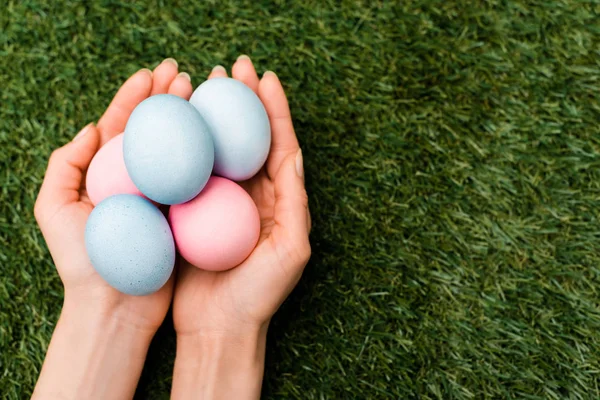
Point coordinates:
pixel 130 244
pixel 168 149
pixel 219 228
pixel 107 175
pixel 239 124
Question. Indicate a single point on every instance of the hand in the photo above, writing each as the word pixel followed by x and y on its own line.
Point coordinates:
pixel 101 339
pixel 221 318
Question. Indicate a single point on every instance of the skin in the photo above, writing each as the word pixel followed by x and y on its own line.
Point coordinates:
pixel 102 335
pixel 101 339
pixel 221 318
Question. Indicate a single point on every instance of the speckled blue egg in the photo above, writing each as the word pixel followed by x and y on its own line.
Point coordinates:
pixel 239 124
pixel 168 149
pixel 130 244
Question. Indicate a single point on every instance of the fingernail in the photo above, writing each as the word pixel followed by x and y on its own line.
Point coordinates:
pixel 82 132
pixel 269 73
pixel 243 57
pixel 171 61
pixel 185 75
pixel 146 70
pixel 219 68
pixel 299 164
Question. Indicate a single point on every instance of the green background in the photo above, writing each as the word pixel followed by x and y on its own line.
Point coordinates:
pixel 453 160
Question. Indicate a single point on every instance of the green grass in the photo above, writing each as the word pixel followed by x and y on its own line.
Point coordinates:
pixel 452 153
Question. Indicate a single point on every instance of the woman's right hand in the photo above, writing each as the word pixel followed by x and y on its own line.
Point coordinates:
pixel 221 318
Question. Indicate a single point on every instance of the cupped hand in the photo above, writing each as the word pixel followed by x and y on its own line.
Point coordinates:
pixel 62 206
pixel 245 298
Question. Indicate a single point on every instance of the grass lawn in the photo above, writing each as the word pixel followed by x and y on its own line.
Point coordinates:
pixel 452 153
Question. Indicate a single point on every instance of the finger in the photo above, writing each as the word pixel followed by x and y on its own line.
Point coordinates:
pixel 135 90
pixel 291 207
pixel 283 137
pixel 163 76
pixel 243 70
pixel 218 71
pixel 65 172
pixel 182 86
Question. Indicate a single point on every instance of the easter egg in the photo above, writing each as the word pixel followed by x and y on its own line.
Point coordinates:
pixel 107 175
pixel 130 244
pixel 168 149
pixel 219 228
pixel 239 125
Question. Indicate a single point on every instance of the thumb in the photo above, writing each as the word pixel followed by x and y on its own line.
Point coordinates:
pixel 64 174
pixel 291 208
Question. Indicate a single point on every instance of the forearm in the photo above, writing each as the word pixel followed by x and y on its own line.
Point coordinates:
pixel 223 366
pixel 92 356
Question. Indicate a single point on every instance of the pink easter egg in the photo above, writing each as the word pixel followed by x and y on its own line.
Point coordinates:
pixel 107 175
pixel 219 228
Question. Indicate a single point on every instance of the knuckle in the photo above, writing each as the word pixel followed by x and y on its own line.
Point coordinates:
pixel 38 211
pixel 303 198
pixel 55 157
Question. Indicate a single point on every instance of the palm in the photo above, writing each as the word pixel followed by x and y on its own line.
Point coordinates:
pixel 260 188
pixel 225 293
pixel 142 311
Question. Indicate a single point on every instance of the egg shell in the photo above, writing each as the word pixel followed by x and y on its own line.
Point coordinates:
pixel 239 125
pixel 219 228
pixel 168 149
pixel 130 244
pixel 107 175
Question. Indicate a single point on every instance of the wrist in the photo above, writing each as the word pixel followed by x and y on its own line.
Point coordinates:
pixel 220 364
pixel 103 323
pixel 92 355
pixel 92 304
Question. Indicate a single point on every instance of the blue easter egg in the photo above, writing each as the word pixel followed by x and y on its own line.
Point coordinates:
pixel 239 125
pixel 168 149
pixel 130 244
